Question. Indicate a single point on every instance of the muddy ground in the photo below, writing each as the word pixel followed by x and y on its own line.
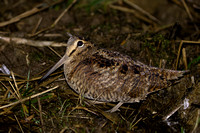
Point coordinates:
pixel 130 31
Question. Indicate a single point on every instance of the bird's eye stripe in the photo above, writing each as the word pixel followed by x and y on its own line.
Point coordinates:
pixel 72 52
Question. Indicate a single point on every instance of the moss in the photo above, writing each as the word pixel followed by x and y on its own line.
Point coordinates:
pixel 37 56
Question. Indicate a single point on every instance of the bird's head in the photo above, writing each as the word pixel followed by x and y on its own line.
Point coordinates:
pixel 76 48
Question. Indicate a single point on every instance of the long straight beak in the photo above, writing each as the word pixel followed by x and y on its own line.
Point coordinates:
pixel 56 66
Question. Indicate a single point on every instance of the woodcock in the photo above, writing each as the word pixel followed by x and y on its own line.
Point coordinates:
pixel 109 76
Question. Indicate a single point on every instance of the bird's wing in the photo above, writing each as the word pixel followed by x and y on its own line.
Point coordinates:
pixel 111 76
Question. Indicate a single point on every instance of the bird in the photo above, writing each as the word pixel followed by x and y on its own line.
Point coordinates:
pixel 109 76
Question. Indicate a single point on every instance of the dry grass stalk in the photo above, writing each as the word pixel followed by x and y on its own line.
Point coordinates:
pixel 40 110
pixel 163 27
pixel 165 118
pixel 55 52
pixel 50 80
pixel 65 128
pixel 17 89
pixel 9 90
pixel 124 9
pixel 56 21
pixel 142 11
pixel 19 124
pixel 184 58
pixel 136 122
pixel 84 108
pixel 189 14
pixel 180 47
pixel 27 98
pixel 177 2
pixel 63 13
pixel 36 9
pixel 37 25
pixel 16 94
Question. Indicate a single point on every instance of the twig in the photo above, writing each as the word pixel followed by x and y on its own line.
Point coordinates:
pixel 31 42
pixel 36 9
pixel 124 9
pixel 142 11
pixel 189 14
pixel 27 98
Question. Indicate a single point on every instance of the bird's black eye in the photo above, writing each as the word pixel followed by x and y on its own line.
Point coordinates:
pixel 80 43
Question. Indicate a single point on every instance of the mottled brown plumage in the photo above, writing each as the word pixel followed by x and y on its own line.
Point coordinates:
pixel 108 76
